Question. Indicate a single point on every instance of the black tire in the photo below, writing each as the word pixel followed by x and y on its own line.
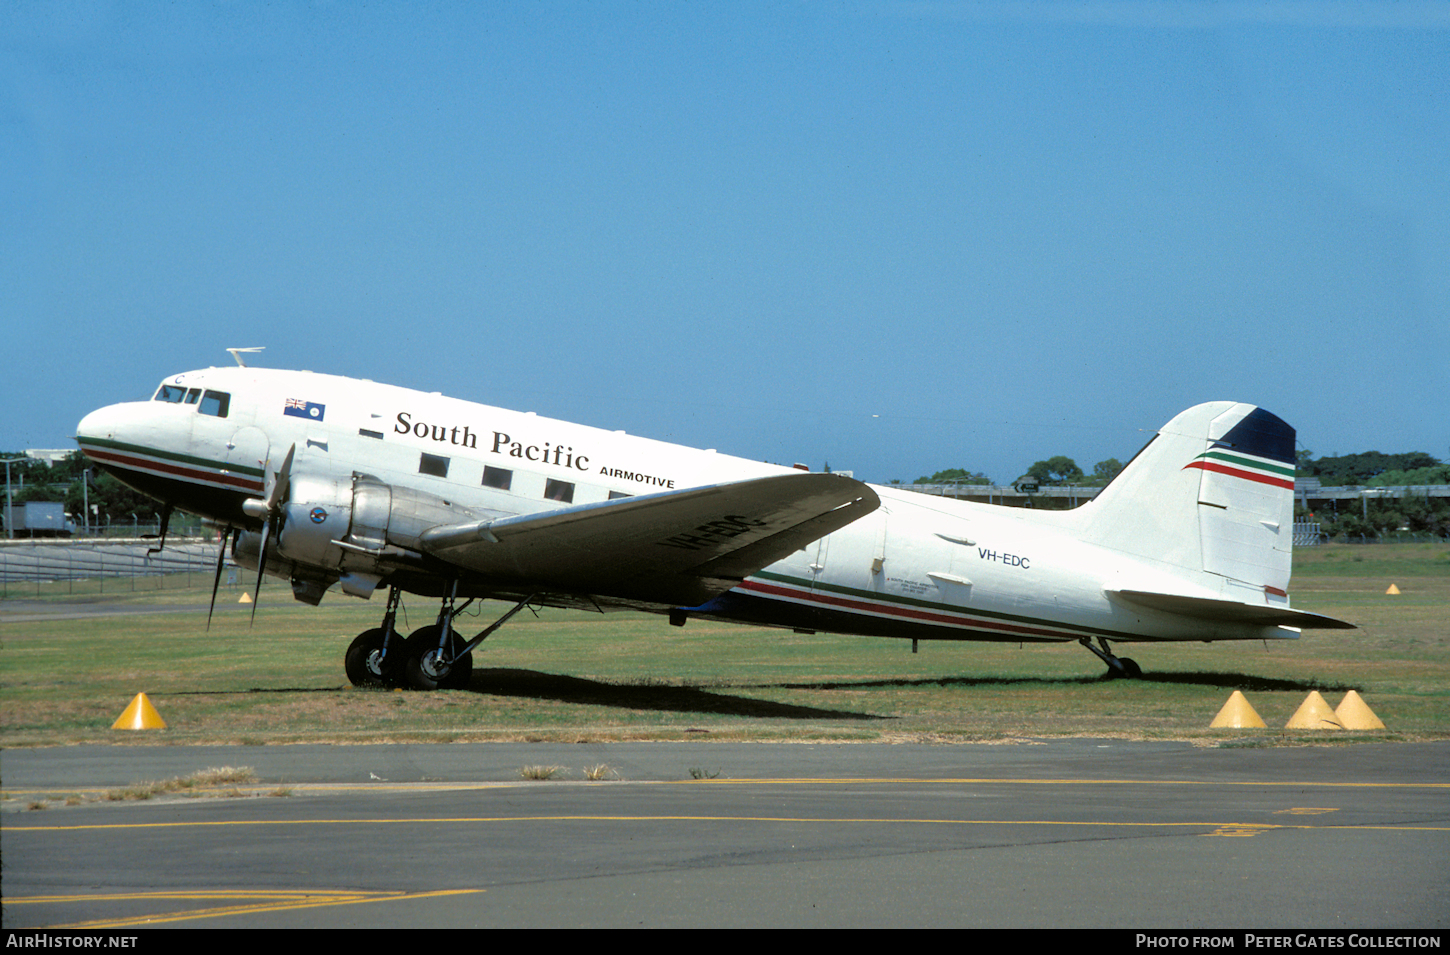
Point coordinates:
pixel 421 670
pixel 1131 670
pixel 365 663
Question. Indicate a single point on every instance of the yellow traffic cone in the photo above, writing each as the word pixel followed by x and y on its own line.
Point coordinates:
pixel 1393 589
pixel 1354 713
pixel 140 715
pixel 1238 713
pixel 1313 714
pixel 246 598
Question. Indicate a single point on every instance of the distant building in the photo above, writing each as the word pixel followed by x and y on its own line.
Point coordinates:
pixel 49 455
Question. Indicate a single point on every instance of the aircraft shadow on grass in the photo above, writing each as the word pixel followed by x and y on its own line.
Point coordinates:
pixel 558 688
pixel 718 699
pixel 1231 681
pixel 532 684
pixel 665 698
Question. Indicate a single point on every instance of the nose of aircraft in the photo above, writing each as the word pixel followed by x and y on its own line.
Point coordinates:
pixel 100 423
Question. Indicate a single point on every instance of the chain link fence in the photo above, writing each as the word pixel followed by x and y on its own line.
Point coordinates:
pixel 92 565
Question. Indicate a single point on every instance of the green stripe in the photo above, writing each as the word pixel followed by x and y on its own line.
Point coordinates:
pixel 170 456
pixel 1250 463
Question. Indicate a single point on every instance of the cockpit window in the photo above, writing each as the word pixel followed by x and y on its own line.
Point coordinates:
pixel 215 403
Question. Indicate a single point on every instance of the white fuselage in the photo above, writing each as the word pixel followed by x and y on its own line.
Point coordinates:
pixel 917 566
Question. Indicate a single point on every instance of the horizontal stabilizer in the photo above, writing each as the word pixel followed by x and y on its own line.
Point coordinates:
pixel 677 548
pixel 1231 611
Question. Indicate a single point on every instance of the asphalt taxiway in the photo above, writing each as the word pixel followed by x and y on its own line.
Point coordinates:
pixel 1064 833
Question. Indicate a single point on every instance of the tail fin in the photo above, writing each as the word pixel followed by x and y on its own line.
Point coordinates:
pixel 1213 491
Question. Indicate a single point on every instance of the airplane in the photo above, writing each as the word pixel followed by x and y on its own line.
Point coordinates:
pixel 329 481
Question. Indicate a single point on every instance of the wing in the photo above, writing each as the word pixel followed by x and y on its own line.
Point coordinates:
pixel 679 548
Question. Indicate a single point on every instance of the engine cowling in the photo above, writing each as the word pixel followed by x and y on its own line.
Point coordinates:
pixel 354 532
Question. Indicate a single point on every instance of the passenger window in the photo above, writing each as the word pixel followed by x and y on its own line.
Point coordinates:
pixel 170 393
pixel 215 403
pixel 434 465
pixel 561 491
pixel 499 478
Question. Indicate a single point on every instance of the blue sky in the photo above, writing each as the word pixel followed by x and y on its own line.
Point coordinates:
pixel 894 237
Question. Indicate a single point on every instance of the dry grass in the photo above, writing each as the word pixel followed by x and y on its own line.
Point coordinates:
pixel 204 783
pixel 540 772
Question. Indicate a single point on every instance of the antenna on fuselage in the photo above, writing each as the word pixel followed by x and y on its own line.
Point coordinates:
pixel 237 353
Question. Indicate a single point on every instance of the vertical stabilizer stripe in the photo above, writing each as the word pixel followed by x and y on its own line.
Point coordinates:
pixel 1241 473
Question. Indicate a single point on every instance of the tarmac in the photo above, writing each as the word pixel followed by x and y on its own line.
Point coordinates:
pixel 1077 833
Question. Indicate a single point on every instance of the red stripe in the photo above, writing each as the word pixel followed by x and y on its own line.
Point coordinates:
pixel 1235 472
pixel 894 611
pixel 193 474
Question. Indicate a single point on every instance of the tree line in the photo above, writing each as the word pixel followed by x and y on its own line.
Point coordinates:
pixel 1367 469
pixel 1369 517
pixel 74 481
pixel 1375 516
pixel 1059 471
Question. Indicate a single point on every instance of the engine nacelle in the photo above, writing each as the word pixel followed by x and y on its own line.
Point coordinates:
pixel 353 532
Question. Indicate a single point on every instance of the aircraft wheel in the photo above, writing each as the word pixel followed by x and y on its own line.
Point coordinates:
pixel 425 670
pixel 1123 668
pixel 365 663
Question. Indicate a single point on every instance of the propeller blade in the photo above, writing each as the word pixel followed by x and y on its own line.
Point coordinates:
pixel 261 570
pixel 278 491
pixel 276 494
pixel 221 557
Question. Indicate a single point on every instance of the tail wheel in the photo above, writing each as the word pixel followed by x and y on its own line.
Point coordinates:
pixel 1123 668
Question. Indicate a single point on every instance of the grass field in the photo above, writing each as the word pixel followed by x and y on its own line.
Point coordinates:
pixel 571 676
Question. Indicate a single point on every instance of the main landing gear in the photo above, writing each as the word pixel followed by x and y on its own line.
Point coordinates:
pixel 435 657
pixel 375 657
pixel 1117 666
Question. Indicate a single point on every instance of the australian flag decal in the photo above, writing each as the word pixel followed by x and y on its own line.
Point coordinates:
pixel 298 408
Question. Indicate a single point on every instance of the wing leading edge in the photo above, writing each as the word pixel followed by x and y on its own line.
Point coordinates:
pixel 678 548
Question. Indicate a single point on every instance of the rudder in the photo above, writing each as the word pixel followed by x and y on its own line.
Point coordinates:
pixel 1213 491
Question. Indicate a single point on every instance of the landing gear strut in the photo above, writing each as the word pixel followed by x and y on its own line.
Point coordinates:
pixel 1117 666
pixel 376 656
pixel 435 657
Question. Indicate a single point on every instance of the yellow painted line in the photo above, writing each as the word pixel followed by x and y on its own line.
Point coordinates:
pixel 270 902
pixel 865 820
pixel 197 894
pixel 1240 831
